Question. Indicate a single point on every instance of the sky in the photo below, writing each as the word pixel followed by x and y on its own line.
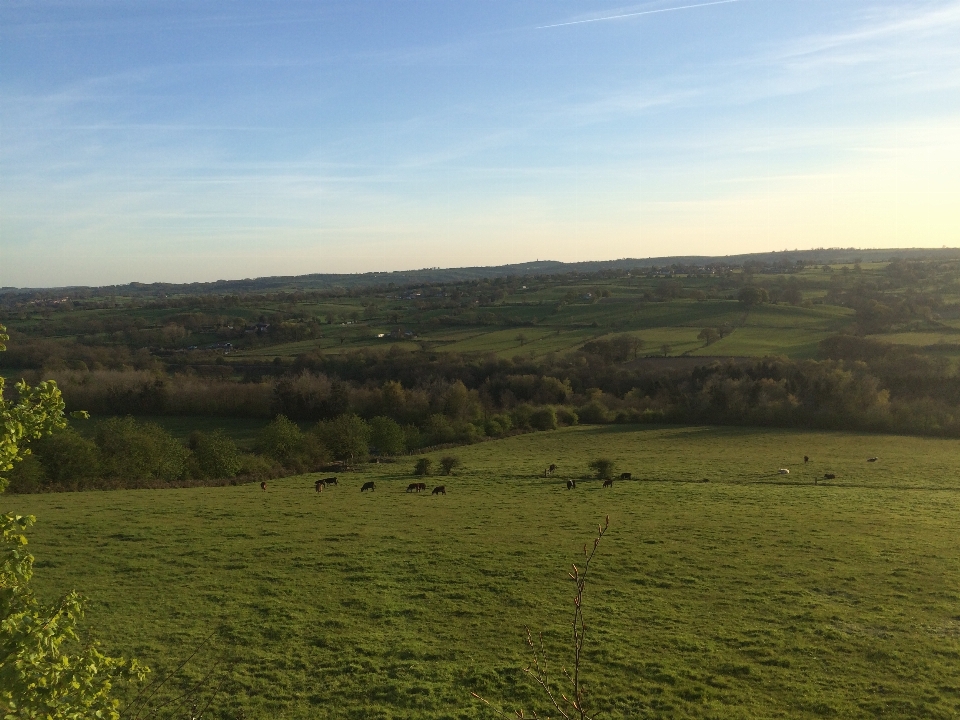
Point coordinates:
pixel 180 141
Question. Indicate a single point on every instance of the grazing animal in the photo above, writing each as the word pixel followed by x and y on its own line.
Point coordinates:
pixel 806 459
pixel 263 486
pixel 550 470
pixel 571 484
pixel 829 476
pixel 413 487
pixel 608 483
pixel 368 486
pixel 330 481
pixel 439 490
pixel 783 471
pixel 705 480
pixel 873 459
pixel 625 476
pixel 318 485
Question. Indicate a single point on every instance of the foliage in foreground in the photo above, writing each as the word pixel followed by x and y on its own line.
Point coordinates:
pixel 44 673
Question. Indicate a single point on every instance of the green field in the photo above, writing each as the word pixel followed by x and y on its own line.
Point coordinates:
pixel 754 595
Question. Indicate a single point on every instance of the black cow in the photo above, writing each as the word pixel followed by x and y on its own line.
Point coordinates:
pixel 330 481
pixel 571 484
pixel 608 483
pixel 625 476
pixel 263 485
pixel 439 490
pixel 829 476
pixel 806 459
pixel 368 486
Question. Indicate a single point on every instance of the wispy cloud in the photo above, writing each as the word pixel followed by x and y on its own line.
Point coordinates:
pixel 622 16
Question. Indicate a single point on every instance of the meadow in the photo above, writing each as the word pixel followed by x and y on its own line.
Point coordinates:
pixel 753 595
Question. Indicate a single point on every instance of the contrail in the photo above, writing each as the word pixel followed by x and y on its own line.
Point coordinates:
pixel 635 14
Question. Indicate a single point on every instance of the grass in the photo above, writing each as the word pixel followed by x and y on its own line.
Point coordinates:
pixel 754 595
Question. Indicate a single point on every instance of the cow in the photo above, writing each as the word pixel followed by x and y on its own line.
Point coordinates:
pixel 571 484
pixel 416 487
pixel 439 490
pixel 330 481
pixel 608 483
pixel 705 480
pixel 783 471
pixel 263 485
pixel 550 470
pixel 873 459
pixel 806 459
pixel 829 476
pixel 625 476
pixel 319 485
pixel 370 485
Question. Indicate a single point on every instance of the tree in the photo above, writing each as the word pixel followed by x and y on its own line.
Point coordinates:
pixel 387 436
pixel 44 673
pixel 281 439
pixel 448 464
pixel 709 336
pixel 346 436
pixel 521 338
pixel 750 296
pixel 603 467
pixel 423 466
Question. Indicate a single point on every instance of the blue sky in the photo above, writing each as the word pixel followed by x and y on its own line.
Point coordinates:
pixel 180 141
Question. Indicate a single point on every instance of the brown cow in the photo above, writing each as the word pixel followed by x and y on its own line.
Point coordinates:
pixel 608 483
pixel 263 485
pixel 368 486
pixel 319 485
pixel 439 490
pixel 413 487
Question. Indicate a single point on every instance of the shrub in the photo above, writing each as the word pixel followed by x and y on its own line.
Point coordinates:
pixel 216 454
pixel 603 467
pixel 448 464
pixel 521 415
pixel 593 413
pixel 498 425
pixel 131 451
pixel 544 419
pixel 281 440
pixel 566 416
pixel 423 466
pixel 257 467
pixel 68 459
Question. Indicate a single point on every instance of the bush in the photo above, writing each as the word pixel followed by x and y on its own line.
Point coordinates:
pixel 593 413
pixel 566 416
pixel 216 455
pixel 257 467
pixel 281 440
pixel 521 415
pixel 544 419
pixel 603 467
pixel 386 436
pixel 423 466
pixel 26 476
pixel 498 425
pixel 448 464
pixel 131 451
pixel 68 460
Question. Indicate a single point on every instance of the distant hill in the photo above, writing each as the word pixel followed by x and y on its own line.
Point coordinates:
pixel 321 281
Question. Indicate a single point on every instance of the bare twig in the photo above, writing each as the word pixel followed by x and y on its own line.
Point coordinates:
pixel 573 707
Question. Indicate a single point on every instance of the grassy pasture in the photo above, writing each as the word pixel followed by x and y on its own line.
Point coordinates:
pixel 755 595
